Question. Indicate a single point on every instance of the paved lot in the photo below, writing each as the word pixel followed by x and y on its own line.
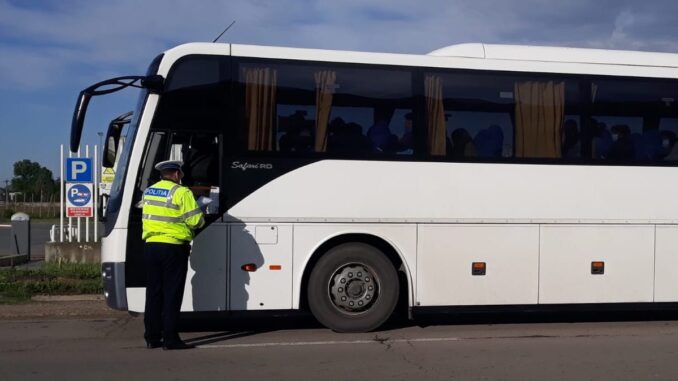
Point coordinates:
pixel 108 348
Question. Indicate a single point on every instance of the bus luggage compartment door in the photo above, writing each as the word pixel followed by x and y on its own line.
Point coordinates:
pixel 568 253
pixel 261 267
pixel 448 255
pixel 206 278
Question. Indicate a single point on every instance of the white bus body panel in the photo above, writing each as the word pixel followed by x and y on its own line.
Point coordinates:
pixel 446 254
pixel 406 192
pixel 666 264
pixel 548 54
pixel 113 246
pixel 565 264
pixel 514 58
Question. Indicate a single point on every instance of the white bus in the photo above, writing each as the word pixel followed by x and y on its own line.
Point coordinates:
pixel 351 183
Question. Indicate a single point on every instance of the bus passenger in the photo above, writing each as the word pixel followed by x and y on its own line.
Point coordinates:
pixel 489 142
pixel 602 140
pixel 382 138
pixel 202 161
pixel 673 153
pixel 298 131
pixel 462 144
pixel 571 147
pixel 297 139
pixel 668 142
pixel 649 145
pixel 622 144
pixel 405 141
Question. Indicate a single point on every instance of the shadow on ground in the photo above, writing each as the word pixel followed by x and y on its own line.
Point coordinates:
pixel 231 327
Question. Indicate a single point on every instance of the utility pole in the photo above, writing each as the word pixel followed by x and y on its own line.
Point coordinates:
pixel 100 160
pixel 6 193
pixel 101 148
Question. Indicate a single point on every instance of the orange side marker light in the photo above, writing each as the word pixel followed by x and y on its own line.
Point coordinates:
pixel 478 268
pixel 597 268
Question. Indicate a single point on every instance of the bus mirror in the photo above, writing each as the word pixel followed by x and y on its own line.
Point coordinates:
pixel 79 118
pixel 110 151
pixel 113 139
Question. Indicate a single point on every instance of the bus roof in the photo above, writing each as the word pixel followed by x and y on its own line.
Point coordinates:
pixel 558 54
pixel 465 56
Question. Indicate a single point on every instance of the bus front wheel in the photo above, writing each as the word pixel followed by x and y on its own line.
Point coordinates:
pixel 353 288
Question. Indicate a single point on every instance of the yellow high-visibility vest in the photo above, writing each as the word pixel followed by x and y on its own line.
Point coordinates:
pixel 170 213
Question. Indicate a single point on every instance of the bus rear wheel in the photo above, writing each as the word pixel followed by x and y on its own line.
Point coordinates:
pixel 353 288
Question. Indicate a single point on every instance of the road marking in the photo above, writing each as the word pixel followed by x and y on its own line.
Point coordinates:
pixel 5 226
pixel 309 343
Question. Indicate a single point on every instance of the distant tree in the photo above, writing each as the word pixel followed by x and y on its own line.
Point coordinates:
pixel 33 180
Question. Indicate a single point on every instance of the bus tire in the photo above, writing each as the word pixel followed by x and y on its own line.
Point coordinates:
pixel 353 288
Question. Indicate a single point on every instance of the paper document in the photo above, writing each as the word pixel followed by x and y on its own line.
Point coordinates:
pixel 203 201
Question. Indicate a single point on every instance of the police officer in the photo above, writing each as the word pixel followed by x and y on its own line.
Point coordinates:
pixel 170 215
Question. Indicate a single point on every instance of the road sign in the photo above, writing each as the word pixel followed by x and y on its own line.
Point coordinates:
pixel 79 170
pixel 107 175
pixel 79 200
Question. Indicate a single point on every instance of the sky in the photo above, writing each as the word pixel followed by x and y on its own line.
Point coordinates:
pixel 52 49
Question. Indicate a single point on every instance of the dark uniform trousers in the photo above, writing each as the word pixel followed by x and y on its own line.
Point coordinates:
pixel 166 266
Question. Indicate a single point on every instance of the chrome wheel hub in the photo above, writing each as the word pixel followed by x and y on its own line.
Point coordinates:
pixel 353 288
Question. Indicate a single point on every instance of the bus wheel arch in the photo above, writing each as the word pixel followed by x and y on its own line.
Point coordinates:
pixel 374 247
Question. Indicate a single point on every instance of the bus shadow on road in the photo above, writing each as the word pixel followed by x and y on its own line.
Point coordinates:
pixel 240 325
pixel 565 315
pixel 219 337
pixel 227 327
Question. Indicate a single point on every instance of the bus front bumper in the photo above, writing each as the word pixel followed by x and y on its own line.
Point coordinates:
pixel 113 274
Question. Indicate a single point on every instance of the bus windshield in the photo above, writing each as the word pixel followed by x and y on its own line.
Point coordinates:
pixel 127 141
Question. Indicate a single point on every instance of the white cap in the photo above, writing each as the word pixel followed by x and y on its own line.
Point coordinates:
pixel 169 165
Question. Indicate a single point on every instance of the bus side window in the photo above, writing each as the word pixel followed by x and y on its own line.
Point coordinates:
pixel 155 152
pixel 201 161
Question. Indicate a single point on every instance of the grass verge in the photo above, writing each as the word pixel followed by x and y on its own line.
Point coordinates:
pixel 18 285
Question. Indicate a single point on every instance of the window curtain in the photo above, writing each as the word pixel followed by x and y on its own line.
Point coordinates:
pixel 324 90
pixel 540 109
pixel 260 103
pixel 435 111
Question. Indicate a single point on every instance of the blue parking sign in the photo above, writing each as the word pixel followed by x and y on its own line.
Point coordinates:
pixel 79 195
pixel 79 170
pixel 79 200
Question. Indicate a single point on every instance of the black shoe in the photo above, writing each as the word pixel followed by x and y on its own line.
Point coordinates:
pixel 177 345
pixel 152 344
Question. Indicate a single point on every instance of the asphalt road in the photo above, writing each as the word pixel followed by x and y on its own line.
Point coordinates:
pixel 111 349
